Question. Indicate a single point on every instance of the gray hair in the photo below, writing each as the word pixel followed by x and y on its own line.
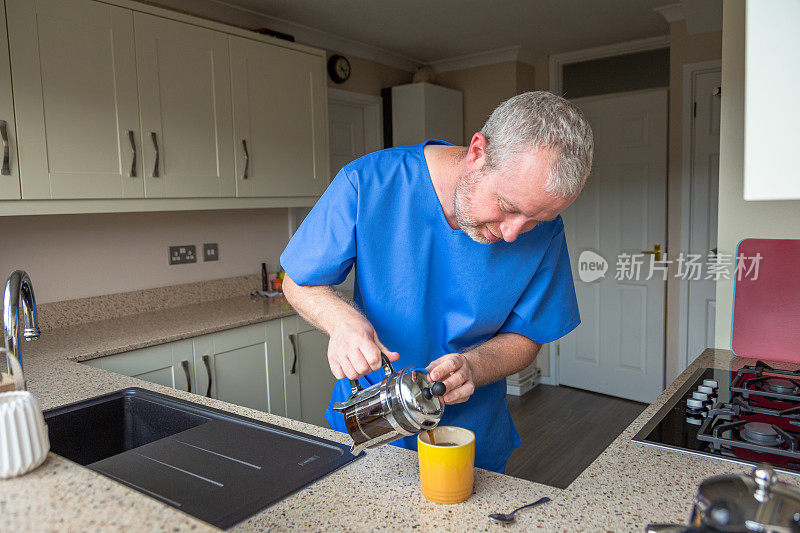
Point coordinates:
pixel 542 120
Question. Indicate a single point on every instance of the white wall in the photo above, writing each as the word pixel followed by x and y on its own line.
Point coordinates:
pixel 740 219
pixel 77 256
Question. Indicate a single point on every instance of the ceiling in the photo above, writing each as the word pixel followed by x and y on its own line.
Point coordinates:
pixel 427 31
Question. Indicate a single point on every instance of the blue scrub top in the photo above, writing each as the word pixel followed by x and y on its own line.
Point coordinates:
pixel 428 289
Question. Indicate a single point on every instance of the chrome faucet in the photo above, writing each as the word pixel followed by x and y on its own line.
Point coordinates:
pixel 19 288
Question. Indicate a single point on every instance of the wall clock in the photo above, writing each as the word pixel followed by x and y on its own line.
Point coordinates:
pixel 338 68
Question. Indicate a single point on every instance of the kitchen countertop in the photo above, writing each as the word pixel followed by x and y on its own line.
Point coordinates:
pixel 626 487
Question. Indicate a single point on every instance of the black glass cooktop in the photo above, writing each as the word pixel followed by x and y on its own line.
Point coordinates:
pixel 669 427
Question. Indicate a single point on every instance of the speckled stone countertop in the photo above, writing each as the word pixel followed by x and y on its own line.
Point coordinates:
pixel 628 486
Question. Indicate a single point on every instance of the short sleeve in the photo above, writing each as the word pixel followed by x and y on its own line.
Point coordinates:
pixel 323 249
pixel 548 308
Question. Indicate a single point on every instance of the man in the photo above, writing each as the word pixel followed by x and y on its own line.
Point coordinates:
pixel 461 262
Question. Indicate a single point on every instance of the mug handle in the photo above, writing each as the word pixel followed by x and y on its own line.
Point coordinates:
pixel 355 386
pixel 16 369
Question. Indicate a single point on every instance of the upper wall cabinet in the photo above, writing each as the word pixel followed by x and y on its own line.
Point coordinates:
pixel 280 120
pixel 185 95
pixel 77 110
pixel 130 107
pixel 9 170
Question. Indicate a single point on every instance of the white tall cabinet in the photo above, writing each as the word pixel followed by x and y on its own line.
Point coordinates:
pixel 185 98
pixel 280 120
pixel 9 175
pixel 77 109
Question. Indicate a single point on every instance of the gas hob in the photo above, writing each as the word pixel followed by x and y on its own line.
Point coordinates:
pixel 748 414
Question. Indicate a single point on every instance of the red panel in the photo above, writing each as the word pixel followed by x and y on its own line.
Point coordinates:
pixel 766 310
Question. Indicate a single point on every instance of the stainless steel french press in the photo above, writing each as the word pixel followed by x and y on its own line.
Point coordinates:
pixel 402 404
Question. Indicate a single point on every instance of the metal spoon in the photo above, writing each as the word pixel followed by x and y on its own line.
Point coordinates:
pixel 508 518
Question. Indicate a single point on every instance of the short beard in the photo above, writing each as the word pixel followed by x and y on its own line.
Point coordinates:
pixel 462 206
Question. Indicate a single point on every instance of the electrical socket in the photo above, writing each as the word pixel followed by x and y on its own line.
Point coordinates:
pixel 210 251
pixel 179 255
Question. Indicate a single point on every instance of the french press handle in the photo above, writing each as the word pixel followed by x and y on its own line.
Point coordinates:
pixel 355 386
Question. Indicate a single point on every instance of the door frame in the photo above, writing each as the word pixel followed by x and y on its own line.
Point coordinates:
pixel 557 61
pixel 555 85
pixel 373 114
pixel 690 71
pixel 373 132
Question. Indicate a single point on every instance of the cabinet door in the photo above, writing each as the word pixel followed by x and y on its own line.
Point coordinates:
pixel 153 364
pixel 236 362
pixel 183 366
pixel 309 381
pixel 185 95
pixel 9 175
pixel 74 78
pixel 280 112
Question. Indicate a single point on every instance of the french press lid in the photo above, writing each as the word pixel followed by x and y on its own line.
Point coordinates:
pixel 420 398
pixel 750 502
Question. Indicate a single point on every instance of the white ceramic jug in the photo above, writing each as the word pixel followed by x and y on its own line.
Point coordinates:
pixel 23 435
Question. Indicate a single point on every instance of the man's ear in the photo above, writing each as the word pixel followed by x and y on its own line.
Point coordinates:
pixel 476 153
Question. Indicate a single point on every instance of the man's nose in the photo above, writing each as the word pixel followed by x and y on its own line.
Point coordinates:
pixel 511 228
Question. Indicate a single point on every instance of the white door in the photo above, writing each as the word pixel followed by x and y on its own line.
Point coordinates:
pixel 74 78
pixel 185 95
pixel 347 134
pixel 619 347
pixel 704 189
pixel 279 112
pixel 355 126
pixel 9 175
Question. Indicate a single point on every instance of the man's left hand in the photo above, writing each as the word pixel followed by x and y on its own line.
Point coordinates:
pixel 455 371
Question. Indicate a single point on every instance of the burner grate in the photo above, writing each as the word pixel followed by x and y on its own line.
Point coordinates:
pixel 764 380
pixel 725 429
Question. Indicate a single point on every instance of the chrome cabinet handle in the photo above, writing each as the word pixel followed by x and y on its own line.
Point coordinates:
pixel 246 160
pixel 133 153
pixel 6 153
pixel 207 362
pixel 293 340
pixel 155 145
pixel 185 366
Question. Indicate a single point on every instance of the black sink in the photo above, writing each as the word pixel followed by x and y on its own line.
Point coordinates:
pixel 103 427
pixel 216 466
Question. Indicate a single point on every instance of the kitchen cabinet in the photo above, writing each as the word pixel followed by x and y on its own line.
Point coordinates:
pixel 77 111
pixel 280 120
pixel 185 99
pixel 9 173
pixel 232 366
pixel 307 375
pixel 168 364
pixel 119 106
pixel 279 366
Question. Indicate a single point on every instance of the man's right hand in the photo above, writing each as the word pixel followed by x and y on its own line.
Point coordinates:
pixel 354 349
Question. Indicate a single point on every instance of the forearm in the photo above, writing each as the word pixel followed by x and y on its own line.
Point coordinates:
pixel 320 305
pixel 501 356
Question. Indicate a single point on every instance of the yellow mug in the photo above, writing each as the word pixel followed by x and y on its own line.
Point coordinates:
pixel 446 467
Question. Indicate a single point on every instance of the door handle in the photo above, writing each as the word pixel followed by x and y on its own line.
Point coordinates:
pixel 655 252
pixel 246 160
pixel 293 340
pixel 155 146
pixel 133 153
pixel 6 171
pixel 207 362
pixel 185 366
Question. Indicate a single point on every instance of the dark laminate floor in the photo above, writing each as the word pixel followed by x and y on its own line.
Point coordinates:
pixel 563 430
